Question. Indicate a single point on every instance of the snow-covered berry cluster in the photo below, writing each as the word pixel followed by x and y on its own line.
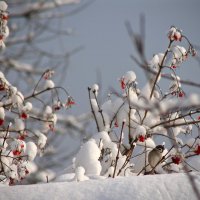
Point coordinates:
pixel 20 140
pixel 175 34
pixel 130 123
pixel 4 30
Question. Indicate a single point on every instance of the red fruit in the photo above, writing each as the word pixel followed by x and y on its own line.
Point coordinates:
pixel 48 74
pixel 116 124
pixel 16 153
pixel 173 66
pixel 24 115
pixel 123 85
pixel 5 17
pixel 176 160
pixel 11 182
pixel 1 122
pixel 177 36
pixel 21 137
pixel 70 102
pixel 1 37
pixel 197 151
pixel 2 87
pixel 181 94
pixel 22 146
pixel 26 172
pixel 141 138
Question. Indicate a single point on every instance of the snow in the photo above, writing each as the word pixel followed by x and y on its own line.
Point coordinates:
pixel 150 187
pixel 3 6
pixel 87 158
pixel 31 150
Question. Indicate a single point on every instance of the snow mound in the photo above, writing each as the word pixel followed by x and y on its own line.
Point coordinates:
pixel 150 187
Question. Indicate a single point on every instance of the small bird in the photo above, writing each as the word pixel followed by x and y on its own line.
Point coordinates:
pixel 155 156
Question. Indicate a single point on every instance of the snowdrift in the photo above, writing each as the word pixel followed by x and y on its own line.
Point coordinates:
pixel 150 187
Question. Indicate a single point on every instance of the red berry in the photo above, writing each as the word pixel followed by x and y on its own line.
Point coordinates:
pixel 5 17
pixel 181 94
pixel 16 153
pixel 173 66
pixel 1 37
pixel 2 87
pixel 1 122
pixel 197 150
pixel 123 85
pixel 177 36
pixel 141 138
pixel 116 124
pixel 11 182
pixel 176 160
pixel 21 137
pixel 24 115
pixel 27 172
pixel 70 102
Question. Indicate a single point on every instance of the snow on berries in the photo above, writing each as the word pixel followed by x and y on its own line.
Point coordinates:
pixel 3 6
pixel 175 34
pixel 42 139
pixel 4 30
pixel 140 133
pixel 51 119
pixel 24 110
pixel 48 74
pixel 70 102
pixel 17 144
pixel 127 79
pixel 18 147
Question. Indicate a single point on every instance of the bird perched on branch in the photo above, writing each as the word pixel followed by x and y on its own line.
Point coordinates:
pixel 155 156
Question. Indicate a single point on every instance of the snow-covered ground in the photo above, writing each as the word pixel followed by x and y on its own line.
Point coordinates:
pixel 150 187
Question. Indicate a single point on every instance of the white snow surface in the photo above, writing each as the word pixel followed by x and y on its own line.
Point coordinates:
pixel 149 187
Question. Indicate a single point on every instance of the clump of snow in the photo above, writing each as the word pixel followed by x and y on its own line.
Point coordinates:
pixel 129 77
pixel 42 139
pixel 31 150
pixel 88 158
pixel 80 174
pixel 49 84
pixel 3 6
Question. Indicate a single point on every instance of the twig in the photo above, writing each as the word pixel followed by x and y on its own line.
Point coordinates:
pixel 120 141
